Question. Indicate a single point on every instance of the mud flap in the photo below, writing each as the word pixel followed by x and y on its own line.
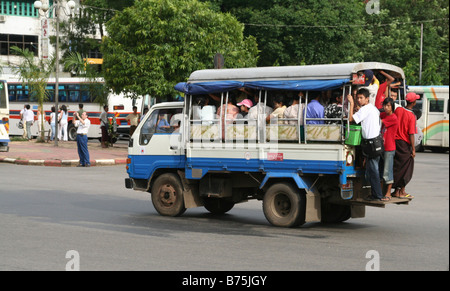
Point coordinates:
pixel 190 194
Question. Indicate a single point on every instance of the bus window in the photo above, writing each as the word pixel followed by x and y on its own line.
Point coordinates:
pixel 85 97
pixel 62 95
pixel 22 95
pixel 74 96
pixel 436 105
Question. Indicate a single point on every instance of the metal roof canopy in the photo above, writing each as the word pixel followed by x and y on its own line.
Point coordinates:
pixel 310 72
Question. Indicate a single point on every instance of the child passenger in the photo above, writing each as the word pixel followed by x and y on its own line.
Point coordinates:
pixel 389 130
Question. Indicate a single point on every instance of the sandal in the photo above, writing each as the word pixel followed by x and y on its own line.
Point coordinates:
pixel 386 198
pixel 407 196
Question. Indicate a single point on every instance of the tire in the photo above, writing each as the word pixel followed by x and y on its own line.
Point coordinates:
pixel 335 213
pixel 419 148
pixel 71 132
pixel 167 195
pixel 284 205
pixel 218 205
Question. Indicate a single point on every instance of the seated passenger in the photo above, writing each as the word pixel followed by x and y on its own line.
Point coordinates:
pixel 231 109
pixel 259 108
pixel 294 110
pixel 334 109
pixel 244 106
pixel 278 113
pixel 207 112
pixel 314 108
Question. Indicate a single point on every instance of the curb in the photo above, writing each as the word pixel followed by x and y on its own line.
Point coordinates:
pixel 62 163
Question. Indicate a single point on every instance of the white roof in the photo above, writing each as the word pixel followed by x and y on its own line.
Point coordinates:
pixel 311 72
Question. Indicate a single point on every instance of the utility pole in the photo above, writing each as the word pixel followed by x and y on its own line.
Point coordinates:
pixel 421 52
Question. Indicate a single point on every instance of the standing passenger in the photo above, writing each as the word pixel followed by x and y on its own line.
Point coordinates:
pixel 369 117
pixel 389 129
pixel 405 150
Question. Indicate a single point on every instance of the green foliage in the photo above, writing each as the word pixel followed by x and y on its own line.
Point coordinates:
pixel 34 74
pixel 157 43
pixel 293 32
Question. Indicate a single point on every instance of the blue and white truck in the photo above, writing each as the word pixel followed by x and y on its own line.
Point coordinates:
pixel 301 167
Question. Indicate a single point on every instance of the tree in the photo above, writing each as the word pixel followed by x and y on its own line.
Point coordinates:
pixel 157 43
pixel 78 65
pixel 35 73
pixel 321 31
pixel 296 32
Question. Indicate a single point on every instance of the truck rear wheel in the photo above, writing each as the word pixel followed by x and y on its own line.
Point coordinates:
pixel 284 205
pixel 218 205
pixel 167 195
pixel 335 213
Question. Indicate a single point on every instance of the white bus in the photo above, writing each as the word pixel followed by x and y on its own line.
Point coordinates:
pixel 4 117
pixel 435 114
pixel 72 92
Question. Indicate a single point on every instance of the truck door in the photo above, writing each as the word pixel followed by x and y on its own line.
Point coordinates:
pixel 159 143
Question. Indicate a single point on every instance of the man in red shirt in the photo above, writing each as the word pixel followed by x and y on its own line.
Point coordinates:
pixel 389 130
pixel 405 150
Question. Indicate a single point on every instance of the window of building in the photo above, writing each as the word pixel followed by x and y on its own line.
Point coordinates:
pixel 30 42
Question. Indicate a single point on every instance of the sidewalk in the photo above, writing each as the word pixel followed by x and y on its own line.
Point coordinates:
pixel 64 155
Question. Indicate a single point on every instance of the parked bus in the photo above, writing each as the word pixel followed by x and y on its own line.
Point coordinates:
pixel 302 170
pixel 72 92
pixel 435 116
pixel 4 117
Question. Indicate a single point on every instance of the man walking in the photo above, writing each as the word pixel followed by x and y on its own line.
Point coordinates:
pixel 369 117
pixel 83 124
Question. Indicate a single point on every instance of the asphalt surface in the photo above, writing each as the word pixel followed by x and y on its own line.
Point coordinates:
pixel 65 154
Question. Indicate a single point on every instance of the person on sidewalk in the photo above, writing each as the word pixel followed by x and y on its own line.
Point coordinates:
pixel 29 119
pixel 104 124
pixel 62 119
pixel 22 119
pixel 134 120
pixel 82 125
pixel 369 117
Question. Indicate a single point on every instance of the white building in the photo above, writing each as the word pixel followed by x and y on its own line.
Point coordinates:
pixel 22 25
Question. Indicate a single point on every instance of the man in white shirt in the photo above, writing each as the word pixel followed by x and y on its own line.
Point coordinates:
pixel 369 117
pixel 83 124
pixel 28 117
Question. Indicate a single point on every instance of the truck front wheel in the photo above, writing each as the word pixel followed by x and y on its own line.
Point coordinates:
pixel 284 205
pixel 167 195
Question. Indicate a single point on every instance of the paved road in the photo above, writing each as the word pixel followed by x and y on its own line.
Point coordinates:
pixel 46 212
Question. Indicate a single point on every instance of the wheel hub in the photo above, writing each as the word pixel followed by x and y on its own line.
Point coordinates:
pixel 167 195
